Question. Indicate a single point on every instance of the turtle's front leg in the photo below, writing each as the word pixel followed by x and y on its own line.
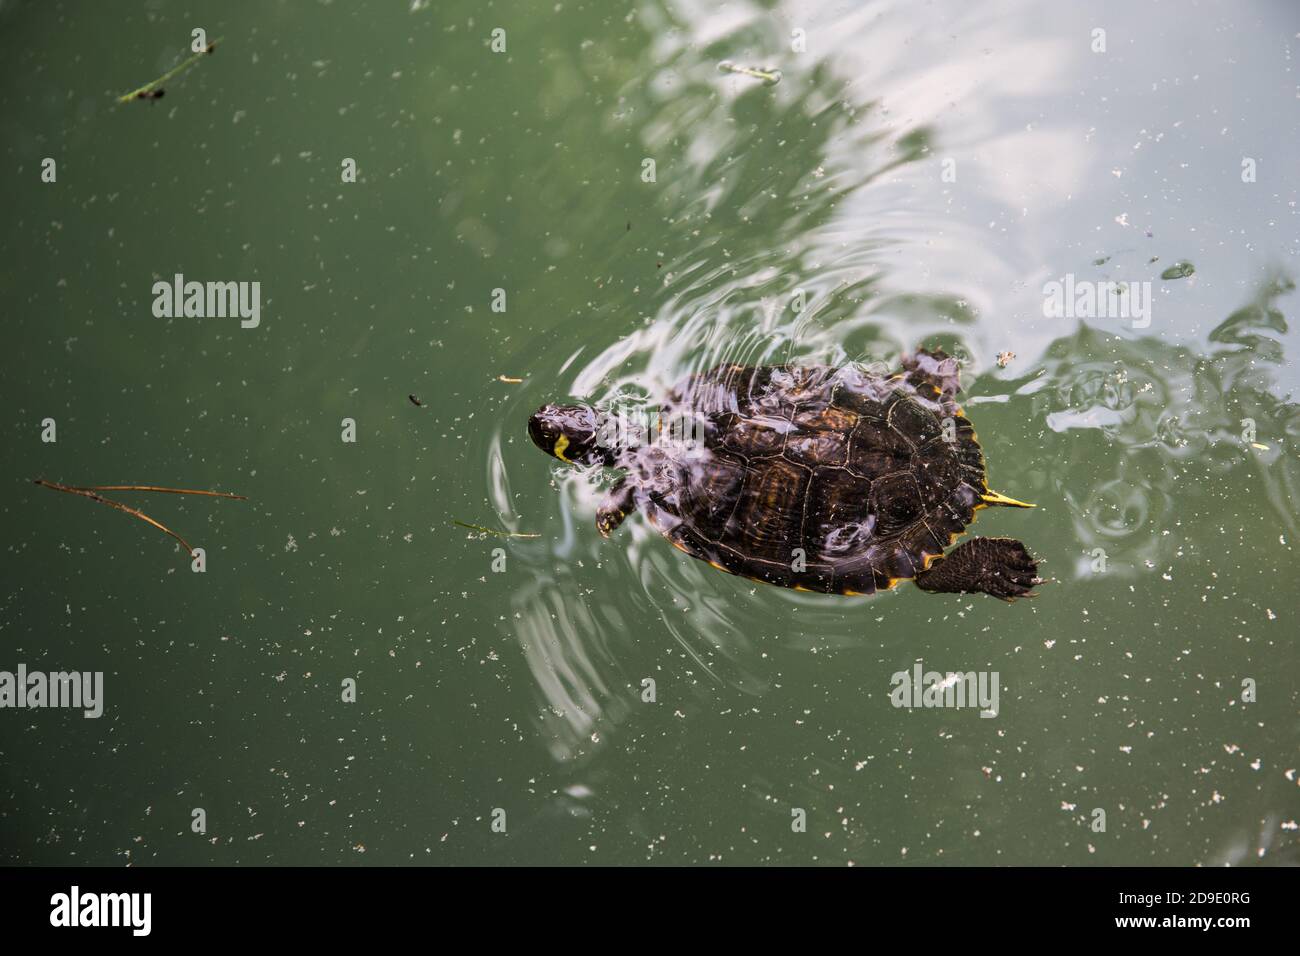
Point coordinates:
pixel 616 506
pixel 933 367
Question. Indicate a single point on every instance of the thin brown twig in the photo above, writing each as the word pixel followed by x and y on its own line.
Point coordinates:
pixel 170 491
pixel 90 492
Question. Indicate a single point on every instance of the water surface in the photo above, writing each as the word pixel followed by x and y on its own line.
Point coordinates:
pixel 919 173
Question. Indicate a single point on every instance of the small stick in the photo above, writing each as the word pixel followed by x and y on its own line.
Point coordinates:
pixel 770 77
pixel 502 534
pixel 141 92
pixel 170 491
pixel 91 493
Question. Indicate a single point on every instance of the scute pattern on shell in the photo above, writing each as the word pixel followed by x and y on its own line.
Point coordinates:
pixel 858 473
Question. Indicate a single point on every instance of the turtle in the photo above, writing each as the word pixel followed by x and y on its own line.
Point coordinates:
pixel 811 477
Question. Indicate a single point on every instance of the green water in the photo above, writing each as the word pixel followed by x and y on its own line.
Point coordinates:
pixel 521 690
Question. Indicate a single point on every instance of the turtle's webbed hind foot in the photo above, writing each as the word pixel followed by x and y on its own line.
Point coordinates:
pixel 1001 567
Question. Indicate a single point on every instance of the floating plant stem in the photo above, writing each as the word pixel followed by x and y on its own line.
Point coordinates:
pixel 92 492
pixel 169 491
pixel 770 77
pixel 148 90
pixel 495 531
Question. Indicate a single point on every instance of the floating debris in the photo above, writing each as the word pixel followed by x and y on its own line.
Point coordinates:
pixel 494 531
pixel 415 401
pixel 508 380
pixel 1005 359
pixel 1179 270
pixel 768 76
pixel 91 492
pixel 153 91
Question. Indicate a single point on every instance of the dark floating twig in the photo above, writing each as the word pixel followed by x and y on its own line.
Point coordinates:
pixel 91 492
pixel 495 531
pixel 415 401
pixel 170 491
pixel 151 91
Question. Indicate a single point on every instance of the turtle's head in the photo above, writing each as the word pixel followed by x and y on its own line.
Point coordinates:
pixel 572 433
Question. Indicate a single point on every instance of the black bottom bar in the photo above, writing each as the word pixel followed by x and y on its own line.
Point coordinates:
pixel 334 905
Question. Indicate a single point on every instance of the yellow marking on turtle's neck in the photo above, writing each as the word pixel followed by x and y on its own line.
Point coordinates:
pixel 561 443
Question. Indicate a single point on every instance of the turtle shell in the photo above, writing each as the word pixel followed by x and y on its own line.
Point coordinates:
pixel 817 478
